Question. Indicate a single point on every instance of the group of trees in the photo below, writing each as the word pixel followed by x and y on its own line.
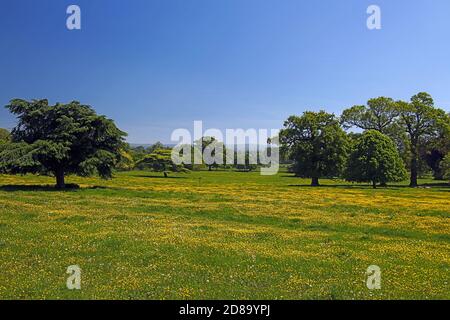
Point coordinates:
pixel 71 138
pixel 396 135
pixel 157 157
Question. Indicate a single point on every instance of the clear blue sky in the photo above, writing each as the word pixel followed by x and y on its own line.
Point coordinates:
pixel 157 65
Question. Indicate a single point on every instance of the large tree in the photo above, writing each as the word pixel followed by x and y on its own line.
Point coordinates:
pixel 61 139
pixel 375 159
pixel 421 121
pixel 316 143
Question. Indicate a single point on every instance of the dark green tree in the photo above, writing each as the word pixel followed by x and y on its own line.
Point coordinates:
pixel 161 161
pixel 61 139
pixel 421 121
pixel 434 149
pixel 375 158
pixel 316 143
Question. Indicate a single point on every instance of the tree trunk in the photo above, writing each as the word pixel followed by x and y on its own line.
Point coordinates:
pixel 59 174
pixel 374 184
pixel 315 182
pixel 413 181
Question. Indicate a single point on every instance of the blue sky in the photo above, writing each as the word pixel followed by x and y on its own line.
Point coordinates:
pixel 157 65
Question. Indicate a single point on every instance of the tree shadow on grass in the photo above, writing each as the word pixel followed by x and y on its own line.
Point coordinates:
pixel 437 184
pixel 158 177
pixel 369 187
pixel 340 186
pixel 49 188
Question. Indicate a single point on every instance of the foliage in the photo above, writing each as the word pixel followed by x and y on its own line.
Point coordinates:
pixel 421 121
pixel 379 114
pixel 316 143
pixel 434 149
pixel 375 159
pixel 248 165
pixel 126 162
pixel 445 167
pixel 210 150
pixel 161 161
pixel 156 146
pixel 140 152
pixel 5 136
pixel 61 139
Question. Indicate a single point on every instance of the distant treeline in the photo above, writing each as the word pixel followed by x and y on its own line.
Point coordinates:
pixel 391 138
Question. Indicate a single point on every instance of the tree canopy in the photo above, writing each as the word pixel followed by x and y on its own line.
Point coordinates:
pixel 316 143
pixel 379 114
pixel 374 158
pixel 61 139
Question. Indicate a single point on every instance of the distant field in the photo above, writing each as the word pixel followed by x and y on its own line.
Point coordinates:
pixel 222 235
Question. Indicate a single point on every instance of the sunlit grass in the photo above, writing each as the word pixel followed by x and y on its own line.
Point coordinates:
pixel 227 235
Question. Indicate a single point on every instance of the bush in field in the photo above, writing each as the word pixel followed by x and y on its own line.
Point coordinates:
pixel 61 139
pixel 317 145
pixel 5 136
pixel 375 159
pixel 126 162
pixel 161 161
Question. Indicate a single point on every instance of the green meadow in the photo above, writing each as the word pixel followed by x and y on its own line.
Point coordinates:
pixel 222 235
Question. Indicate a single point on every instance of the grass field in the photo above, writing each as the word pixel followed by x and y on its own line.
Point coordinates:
pixel 221 235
